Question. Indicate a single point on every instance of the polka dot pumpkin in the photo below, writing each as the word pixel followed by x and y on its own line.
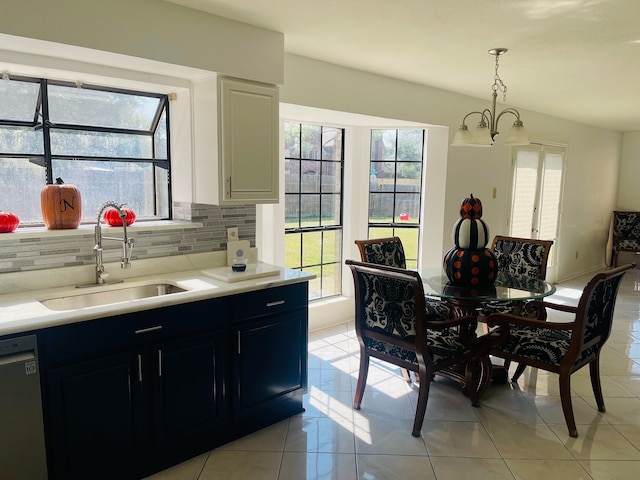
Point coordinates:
pixel 469 263
pixel 470 268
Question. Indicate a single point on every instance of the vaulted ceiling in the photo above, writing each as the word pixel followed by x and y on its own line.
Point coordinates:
pixel 574 59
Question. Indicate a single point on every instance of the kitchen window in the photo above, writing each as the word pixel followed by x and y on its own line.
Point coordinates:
pixel 314 158
pixel 111 143
pixel 395 187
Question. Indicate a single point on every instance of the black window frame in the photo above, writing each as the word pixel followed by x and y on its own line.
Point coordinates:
pixel 41 120
pixel 395 227
pixel 321 229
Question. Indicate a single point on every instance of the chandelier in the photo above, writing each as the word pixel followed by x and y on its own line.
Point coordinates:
pixel 487 128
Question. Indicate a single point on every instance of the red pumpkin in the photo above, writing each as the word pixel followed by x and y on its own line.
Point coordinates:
pixel 8 222
pixel 61 205
pixel 113 218
pixel 471 207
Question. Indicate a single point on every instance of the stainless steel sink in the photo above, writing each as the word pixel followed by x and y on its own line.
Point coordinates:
pixel 113 295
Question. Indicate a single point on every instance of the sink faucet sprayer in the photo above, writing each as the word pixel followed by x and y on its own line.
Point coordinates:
pixel 127 242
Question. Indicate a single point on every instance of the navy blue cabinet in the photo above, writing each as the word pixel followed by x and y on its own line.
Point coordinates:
pixel 94 412
pixel 136 392
pixel 270 330
pixel 129 395
pixel 189 384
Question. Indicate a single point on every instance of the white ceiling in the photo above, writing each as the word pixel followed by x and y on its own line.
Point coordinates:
pixel 574 59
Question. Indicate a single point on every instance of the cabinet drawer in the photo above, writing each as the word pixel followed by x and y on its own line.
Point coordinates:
pixel 268 302
pixel 67 342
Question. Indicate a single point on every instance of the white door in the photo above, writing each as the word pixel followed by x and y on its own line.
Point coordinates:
pixel 536 196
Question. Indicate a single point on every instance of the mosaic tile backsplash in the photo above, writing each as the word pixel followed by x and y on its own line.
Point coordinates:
pixel 36 253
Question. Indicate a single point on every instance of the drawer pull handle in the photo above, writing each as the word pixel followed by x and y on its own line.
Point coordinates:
pixel 275 304
pixel 150 329
pixel 159 362
pixel 140 368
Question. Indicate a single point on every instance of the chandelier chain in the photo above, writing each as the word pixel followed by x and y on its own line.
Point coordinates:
pixel 498 84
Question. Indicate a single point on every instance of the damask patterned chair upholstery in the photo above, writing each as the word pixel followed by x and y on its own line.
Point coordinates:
pixel 565 347
pixel 524 258
pixel 626 234
pixel 519 257
pixel 390 252
pixel 392 324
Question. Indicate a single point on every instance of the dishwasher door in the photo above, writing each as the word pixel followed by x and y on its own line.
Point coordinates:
pixel 22 449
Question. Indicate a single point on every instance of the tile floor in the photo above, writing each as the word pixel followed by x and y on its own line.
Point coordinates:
pixel 518 432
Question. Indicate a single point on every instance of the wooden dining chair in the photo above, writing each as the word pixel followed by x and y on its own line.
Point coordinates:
pixel 392 324
pixel 564 347
pixel 390 252
pixel 519 257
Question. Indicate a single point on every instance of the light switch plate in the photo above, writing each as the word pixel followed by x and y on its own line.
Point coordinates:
pixel 232 234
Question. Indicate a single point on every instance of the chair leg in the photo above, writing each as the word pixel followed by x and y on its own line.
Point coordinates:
pixel 506 364
pixel 406 375
pixel 519 371
pixel 362 380
pixel 423 396
pixel 567 408
pixel 594 371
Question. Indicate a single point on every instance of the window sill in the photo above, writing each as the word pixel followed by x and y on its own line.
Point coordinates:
pixel 86 229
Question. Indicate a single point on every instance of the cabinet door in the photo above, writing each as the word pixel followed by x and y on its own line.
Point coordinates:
pixel 248 124
pixel 189 389
pixel 271 362
pixel 95 415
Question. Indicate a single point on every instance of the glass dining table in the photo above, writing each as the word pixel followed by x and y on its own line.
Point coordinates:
pixel 467 301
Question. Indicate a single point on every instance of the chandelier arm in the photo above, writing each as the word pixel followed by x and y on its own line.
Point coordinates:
pixel 512 111
pixel 485 114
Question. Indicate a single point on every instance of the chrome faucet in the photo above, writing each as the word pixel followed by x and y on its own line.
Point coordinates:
pixel 127 242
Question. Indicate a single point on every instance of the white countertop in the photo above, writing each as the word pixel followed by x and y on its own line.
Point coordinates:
pixel 21 311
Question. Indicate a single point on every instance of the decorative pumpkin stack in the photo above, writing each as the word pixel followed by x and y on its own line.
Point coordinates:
pixel 469 263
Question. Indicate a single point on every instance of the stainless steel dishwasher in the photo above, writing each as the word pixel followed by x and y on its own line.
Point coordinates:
pixel 22 449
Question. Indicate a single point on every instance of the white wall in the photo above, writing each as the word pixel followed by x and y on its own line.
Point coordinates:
pixel 593 154
pixel 628 191
pixel 148 29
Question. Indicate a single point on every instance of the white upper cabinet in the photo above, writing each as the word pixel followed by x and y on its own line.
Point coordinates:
pixel 248 141
pixel 236 152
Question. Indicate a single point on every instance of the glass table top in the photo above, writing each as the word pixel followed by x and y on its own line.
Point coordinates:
pixel 506 287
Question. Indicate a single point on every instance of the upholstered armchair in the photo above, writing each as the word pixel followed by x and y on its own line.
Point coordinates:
pixel 382 251
pixel 522 258
pixel 564 347
pixel 390 252
pixel 392 324
pixel 518 257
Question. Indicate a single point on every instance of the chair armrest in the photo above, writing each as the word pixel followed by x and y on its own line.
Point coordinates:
pixel 504 319
pixel 560 307
pixel 540 306
pixel 453 322
pixel 466 327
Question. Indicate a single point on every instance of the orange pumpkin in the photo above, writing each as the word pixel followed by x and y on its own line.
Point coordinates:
pixel 61 205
